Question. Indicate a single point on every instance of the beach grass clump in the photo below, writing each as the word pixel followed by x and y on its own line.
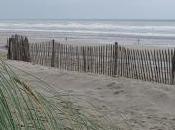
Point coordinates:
pixel 3 55
pixel 23 108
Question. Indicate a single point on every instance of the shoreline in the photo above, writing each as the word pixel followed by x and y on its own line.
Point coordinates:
pixel 131 41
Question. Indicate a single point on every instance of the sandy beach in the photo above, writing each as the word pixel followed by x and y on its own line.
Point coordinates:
pixel 129 104
pixel 87 65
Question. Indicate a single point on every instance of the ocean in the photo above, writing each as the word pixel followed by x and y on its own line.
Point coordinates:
pixel 141 32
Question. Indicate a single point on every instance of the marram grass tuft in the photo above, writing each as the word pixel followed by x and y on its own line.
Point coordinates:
pixel 21 108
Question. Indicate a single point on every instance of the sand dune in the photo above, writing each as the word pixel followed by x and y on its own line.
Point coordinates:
pixel 131 104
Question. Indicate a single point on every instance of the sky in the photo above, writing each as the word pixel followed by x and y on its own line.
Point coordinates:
pixel 87 9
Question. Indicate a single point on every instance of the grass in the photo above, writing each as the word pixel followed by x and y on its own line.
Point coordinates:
pixel 23 108
pixel 3 55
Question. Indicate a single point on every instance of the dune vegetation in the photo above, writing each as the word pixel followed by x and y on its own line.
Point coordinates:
pixel 22 108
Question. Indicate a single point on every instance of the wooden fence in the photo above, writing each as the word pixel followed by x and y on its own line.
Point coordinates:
pixel 18 48
pixel 156 65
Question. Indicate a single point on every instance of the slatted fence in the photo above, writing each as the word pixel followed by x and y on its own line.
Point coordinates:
pixel 112 60
pixel 156 65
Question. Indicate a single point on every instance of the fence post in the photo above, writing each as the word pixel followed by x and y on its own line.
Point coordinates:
pixel 115 58
pixel 173 68
pixel 27 50
pixel 53 54
pixel 84 59
pixel 9 56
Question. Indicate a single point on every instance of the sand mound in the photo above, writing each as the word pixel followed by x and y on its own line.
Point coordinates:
pixel 132 104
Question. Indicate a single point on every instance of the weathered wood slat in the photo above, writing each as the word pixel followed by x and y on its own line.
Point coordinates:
pixel 165 66
pixel 135 64
pixel 147 65
pixel 168 71
pixel 127 63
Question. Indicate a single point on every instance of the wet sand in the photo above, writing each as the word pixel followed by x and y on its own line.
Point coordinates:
pixel 122 40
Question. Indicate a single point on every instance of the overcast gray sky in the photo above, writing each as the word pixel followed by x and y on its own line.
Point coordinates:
pixel 84 9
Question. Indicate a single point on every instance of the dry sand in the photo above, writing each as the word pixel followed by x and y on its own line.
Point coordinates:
pixel 131 104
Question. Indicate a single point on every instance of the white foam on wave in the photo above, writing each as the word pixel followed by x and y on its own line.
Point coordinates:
pixel 114 33
pixel 89 26
pixel 95 28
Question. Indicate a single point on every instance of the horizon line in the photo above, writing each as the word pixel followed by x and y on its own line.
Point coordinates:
pixel 117 19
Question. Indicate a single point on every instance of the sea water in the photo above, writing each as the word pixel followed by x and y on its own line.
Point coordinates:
pixel 152 32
